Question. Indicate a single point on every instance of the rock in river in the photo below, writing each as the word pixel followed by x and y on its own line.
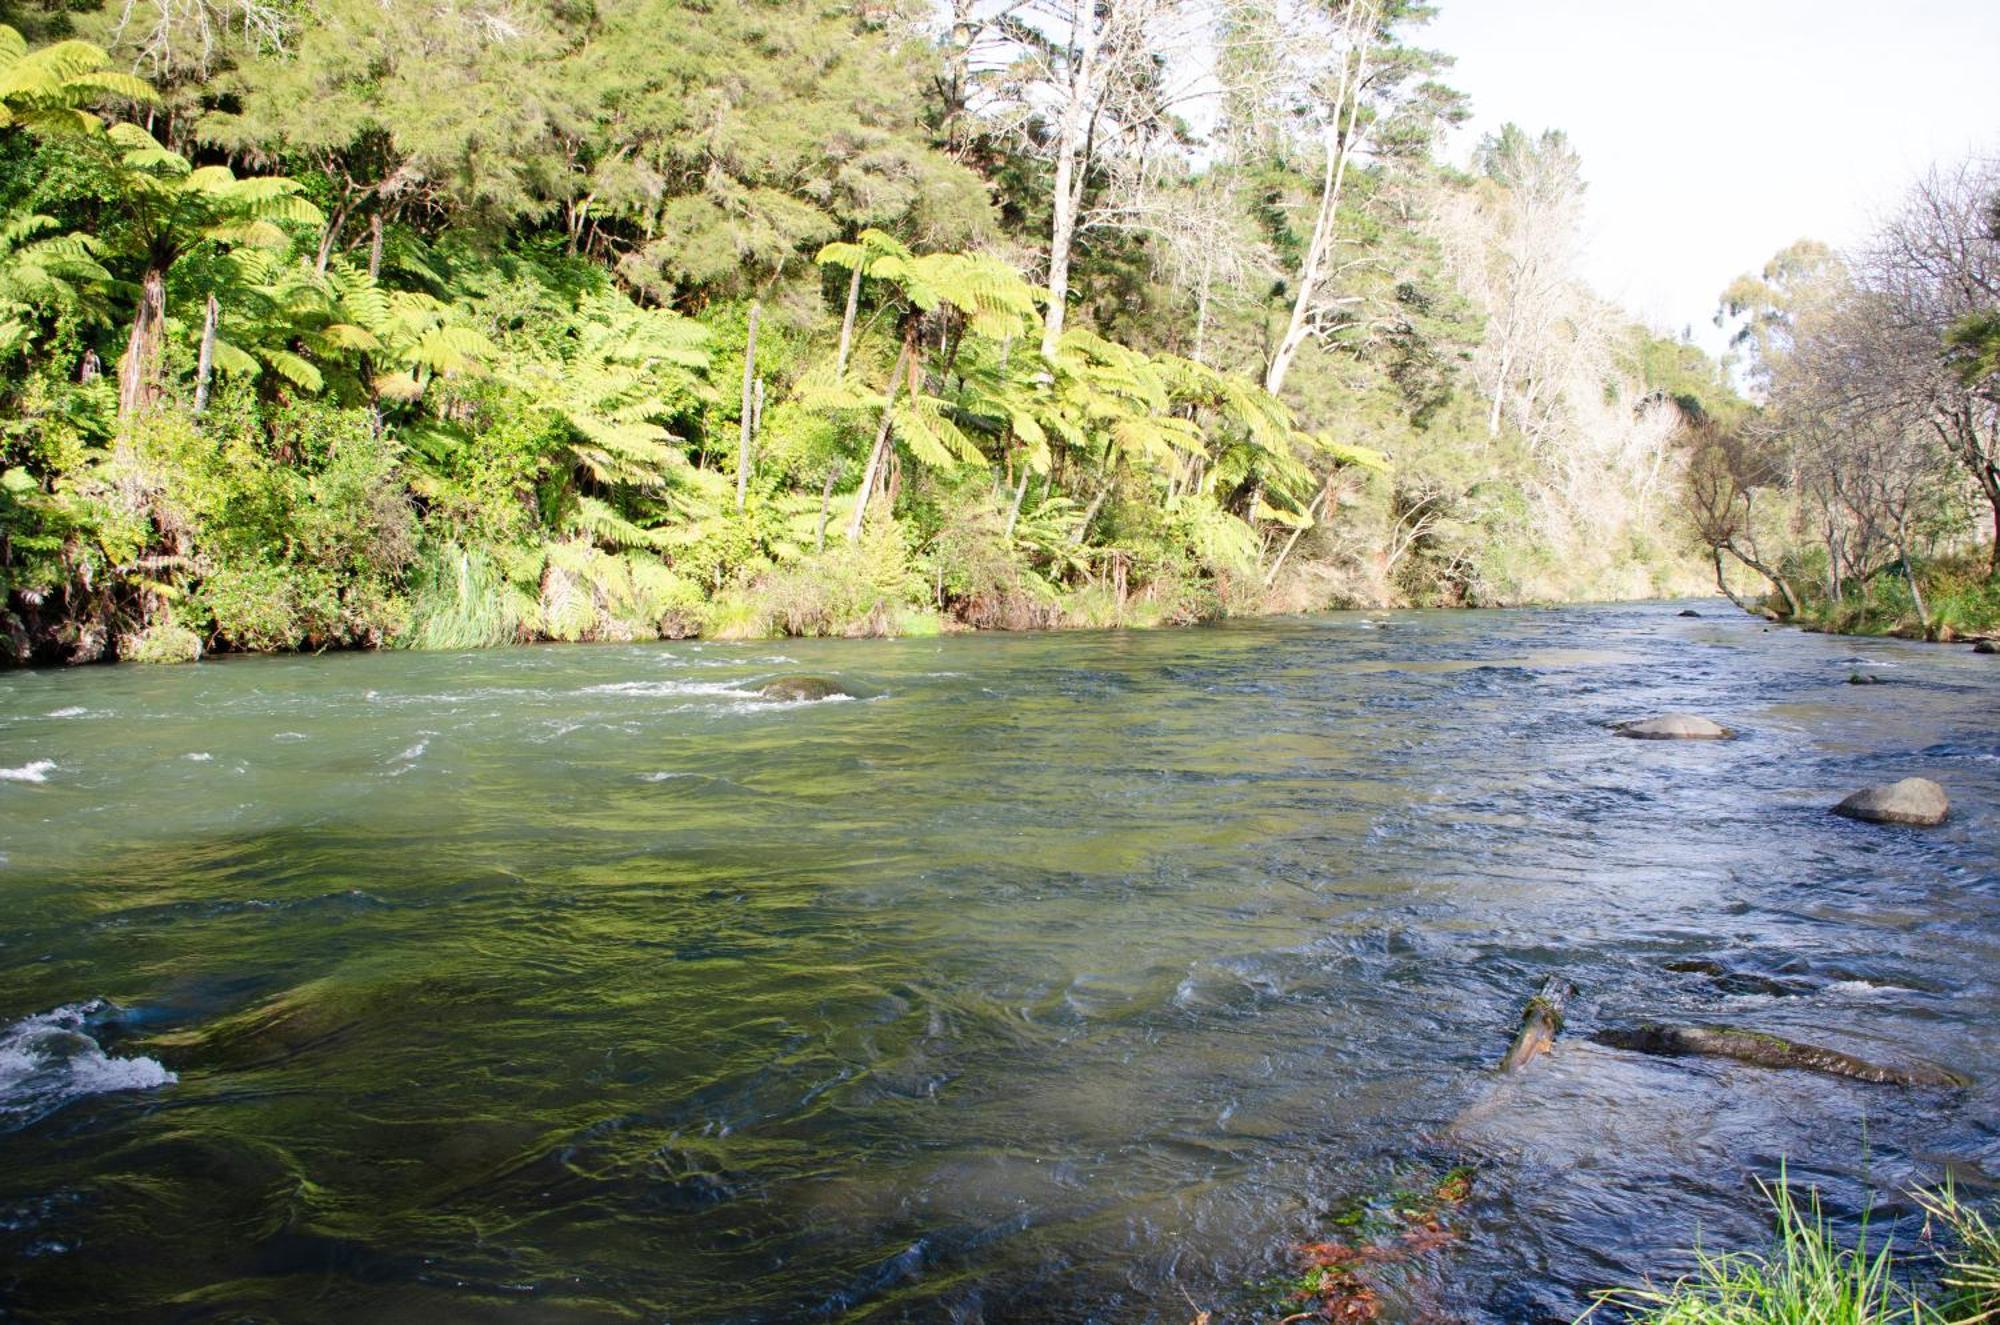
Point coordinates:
pixel 1987 646
pixel 796 688
pixel 1689 611
pixel 1675 727
pixel 1918 801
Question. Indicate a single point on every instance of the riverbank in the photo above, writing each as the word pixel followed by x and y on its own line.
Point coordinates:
pixel 1943 600
pixel 460 599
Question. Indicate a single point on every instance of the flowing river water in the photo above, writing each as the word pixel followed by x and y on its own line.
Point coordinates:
pixel 1057 978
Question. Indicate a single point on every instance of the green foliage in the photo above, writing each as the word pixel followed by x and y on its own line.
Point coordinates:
pixel 429 328
pixel 1809 1277
pixel 164 641
pixel 460 598
pixel 868 588
pixel 53 89
pixel 1971 1278
pixel 1961 599
pixel 299 543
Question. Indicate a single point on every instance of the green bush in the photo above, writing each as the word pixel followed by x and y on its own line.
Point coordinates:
pixel 866 588
pixel 162 642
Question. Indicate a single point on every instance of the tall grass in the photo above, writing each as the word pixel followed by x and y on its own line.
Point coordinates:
pixel 459 600
pixel 1808 1277
pixel 1971 1279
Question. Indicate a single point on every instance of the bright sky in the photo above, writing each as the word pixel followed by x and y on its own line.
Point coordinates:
pixel 1715 132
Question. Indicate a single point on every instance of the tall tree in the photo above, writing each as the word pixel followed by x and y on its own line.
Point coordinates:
pixel 1540 188
pixel 1336 78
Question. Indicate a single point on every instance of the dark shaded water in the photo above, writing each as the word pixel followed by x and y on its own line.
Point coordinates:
pixel 1064 978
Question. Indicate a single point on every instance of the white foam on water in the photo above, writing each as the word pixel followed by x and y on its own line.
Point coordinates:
pixel 49 1059
pixel 73 711
pixel 408 759
pixel 36 772
pixel 198 757
pixel 661 689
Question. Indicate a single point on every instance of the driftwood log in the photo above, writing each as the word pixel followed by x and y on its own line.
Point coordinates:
pixel 1540 1023
pixel 1762 1050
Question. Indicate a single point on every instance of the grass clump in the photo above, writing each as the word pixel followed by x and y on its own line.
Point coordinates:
pixel 1808 1277
pixel 1971 1278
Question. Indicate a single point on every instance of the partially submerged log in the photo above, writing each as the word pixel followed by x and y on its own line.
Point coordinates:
pixel 1772 1051
pixel 1541 1022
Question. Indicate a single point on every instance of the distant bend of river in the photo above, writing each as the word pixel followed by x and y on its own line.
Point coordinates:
pixel 1056 978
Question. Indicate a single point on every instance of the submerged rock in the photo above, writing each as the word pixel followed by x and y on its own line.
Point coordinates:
pixel 1917 801
pixel 1762 1050
pixel 1863 679
pixel 1728 981
pixel 794 689
pixel 1675 727
pixel 1689 611
pixel 1987 646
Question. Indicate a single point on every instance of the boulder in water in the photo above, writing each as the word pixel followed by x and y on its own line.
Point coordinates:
pixel 796 689
pixel 1987 646
pixel 1917 801
pixel 1675 727
pixel 1689 611
pixel 1863 679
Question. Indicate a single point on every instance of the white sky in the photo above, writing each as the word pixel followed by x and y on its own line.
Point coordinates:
pixel 1715 132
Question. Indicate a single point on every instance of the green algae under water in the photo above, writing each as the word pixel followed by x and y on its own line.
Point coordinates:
pixel 1054 978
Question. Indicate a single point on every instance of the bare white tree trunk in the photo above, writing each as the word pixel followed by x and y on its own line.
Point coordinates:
pixel 204 369
pixel 1079 106
pixel 1359 25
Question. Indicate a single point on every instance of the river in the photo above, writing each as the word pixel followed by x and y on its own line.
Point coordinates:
pixel 1056 978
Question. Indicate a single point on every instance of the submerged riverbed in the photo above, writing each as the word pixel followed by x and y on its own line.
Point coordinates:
pixel 1057 978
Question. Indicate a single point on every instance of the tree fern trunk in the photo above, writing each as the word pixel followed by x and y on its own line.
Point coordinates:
pixel 867 487
pixel 139 371
pixel 1014 511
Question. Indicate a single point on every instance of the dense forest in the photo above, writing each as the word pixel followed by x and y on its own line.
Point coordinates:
pixel 341 324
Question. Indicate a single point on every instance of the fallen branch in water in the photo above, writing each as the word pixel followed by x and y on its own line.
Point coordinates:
pixel 1762 1050
pixel 1540 1023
